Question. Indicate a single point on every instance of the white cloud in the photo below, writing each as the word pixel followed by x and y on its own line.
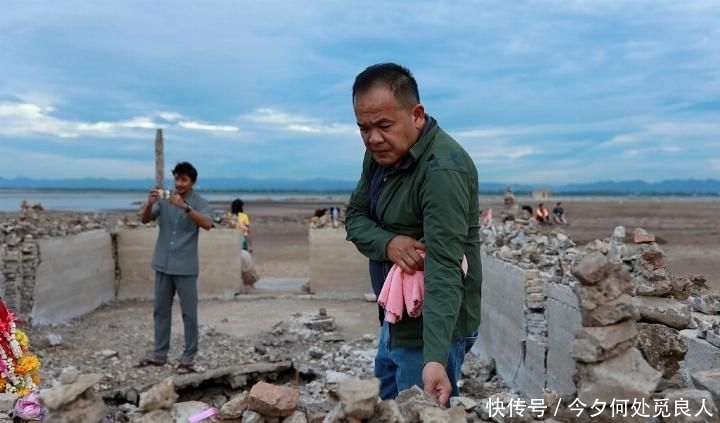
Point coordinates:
pixel 170 116
pixel 25 118
pixel 297 123
pixel 97 127
pixel 140 123
pixel 199 126
pixel 673 131
pixel 275 117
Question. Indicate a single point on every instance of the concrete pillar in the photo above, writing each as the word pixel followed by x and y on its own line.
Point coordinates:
pixel 159 160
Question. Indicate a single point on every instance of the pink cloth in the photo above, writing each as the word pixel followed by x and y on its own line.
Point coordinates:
pixel 29 407
pixel 402 291
pixel 487 218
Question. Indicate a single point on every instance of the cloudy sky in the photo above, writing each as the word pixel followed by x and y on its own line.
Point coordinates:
pixel 537 91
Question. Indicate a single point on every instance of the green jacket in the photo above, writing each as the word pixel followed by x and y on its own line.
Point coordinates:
pixel 436 197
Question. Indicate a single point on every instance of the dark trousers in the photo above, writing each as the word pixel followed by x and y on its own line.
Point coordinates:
pixel 165 288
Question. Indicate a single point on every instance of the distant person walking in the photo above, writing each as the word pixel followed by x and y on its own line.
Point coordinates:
pixel 176 263
pixel 247 265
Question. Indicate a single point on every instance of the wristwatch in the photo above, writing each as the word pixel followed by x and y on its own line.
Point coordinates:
pixel 188 209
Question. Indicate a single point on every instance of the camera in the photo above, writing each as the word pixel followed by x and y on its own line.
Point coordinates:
pixel 163 193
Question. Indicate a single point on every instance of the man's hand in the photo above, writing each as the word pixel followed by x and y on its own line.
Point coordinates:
pixel 401 251
pixel 152 197
pixel 178 201
pixel 436 382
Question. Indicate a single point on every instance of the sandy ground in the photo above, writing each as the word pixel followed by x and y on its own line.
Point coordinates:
pixel 687 230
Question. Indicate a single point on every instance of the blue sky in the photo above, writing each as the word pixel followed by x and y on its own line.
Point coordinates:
pixel 554 91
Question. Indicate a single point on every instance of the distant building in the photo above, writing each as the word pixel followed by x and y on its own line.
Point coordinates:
pixel 541 194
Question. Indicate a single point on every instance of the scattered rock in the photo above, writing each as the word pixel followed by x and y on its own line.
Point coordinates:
pixel 57 397
pixel 161 396
pixel 662 347
pixel 667 311
pixel 234 408
pixel 625 376
pixel 706 303
pixel 641 236
pixel 273 400
pixel 359 397
pixel 593 344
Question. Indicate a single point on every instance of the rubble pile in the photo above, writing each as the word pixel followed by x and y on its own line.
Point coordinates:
pixel 349 401
pixel 609 365
pixel 33 220
pixel 303 370
pixel 526 246
pixel 632 309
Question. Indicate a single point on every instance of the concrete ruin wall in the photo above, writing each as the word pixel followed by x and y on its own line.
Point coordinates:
pixel 219 263
pixel 332 258
pixel 75 275
pixel 526 325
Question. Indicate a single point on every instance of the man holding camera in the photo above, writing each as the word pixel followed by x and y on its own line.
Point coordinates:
pixel 181 214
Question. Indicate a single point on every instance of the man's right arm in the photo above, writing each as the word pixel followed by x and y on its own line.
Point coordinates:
pixel 152 209
pixel 369 237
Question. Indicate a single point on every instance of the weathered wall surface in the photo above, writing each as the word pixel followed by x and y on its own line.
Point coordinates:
pixel 524 357
pixel 563 320
pixel 219 263
pixel 502 325
pixel 336 266
pixel 76 274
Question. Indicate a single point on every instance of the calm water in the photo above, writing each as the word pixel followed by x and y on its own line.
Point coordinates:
pixel 98 201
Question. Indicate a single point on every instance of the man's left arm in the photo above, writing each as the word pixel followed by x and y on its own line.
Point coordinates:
pixel 445 199
pixel 201 214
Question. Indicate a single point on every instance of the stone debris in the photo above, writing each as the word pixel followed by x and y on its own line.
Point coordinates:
pixel 273 400
pixel 666 311
pixel 75 401
pixel 706 303
pixel 662 346
pixel 526 246
pixel 632 307
pixel 608 364
pixel 641 236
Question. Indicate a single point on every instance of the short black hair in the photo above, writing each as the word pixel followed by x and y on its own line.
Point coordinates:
pixel 185 168
pixel 237 206
pixel 396 77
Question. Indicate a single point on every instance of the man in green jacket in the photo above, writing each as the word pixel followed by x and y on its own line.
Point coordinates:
pixel 418 191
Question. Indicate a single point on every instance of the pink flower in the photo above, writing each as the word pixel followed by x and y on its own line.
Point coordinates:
pixel 29 407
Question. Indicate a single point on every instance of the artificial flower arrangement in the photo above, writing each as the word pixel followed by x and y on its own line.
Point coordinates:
pixel 18 367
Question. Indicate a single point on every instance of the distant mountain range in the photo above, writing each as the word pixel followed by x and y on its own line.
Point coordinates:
pixel 633 187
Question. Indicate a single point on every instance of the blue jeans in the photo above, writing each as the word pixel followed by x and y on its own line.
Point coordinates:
pixel 399 368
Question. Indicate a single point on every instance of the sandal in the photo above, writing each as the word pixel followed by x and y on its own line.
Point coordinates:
pixel 146 362
pixel 185 368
